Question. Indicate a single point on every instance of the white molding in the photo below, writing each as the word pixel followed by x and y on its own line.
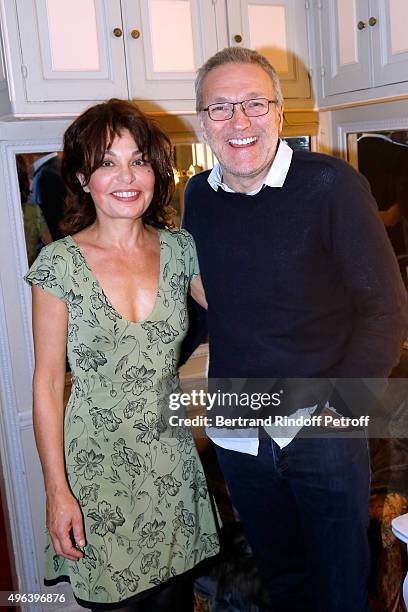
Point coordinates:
pixel 16 360
pixel 373 125
pixel 14 473
pixel 25 420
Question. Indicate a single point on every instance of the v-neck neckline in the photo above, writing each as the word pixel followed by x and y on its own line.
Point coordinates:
pixel 100 288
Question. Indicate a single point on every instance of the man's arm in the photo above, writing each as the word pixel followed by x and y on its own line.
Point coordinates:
pixel 197 330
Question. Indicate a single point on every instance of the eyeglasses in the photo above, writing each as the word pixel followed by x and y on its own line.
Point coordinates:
pixel 222 111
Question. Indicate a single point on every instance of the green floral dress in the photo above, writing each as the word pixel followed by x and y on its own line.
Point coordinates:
pixel 139 482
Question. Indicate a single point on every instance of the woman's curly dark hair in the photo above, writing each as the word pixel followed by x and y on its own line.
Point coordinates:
pixel 85 143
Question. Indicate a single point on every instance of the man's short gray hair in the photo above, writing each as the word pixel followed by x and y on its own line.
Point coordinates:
pixel 235 55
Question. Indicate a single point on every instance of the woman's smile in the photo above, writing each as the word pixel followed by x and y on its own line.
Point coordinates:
pixel 126 196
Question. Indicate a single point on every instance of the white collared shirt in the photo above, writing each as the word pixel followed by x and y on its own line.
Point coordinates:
pixel 281 435
pixel 276 175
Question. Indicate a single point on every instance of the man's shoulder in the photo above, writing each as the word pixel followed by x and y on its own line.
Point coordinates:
pixel 197 197
pixel 199 179
pixel 319 159
pixel 326 168
pixel 198 189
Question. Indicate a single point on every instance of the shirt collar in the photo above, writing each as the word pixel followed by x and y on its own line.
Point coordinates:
pixel 41 160
pixel 276 175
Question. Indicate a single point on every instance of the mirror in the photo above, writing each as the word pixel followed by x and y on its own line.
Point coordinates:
pixel 188 160
pixel 382 157
pixel 42 196
pixel 42 191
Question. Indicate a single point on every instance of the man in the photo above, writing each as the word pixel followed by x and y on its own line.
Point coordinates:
pixel 384 163
pixel 301 282
pixel 49 191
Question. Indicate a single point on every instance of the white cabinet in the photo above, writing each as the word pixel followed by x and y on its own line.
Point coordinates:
pixel 69 49
pixel 63 55
pixel 59 52
pixel 277 29
pixel 364 44
pixel 390 41
pixel 166 41
pixel 178 36
pixel 346 57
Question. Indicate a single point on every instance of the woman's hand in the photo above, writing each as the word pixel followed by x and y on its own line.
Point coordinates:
pixel 197 291
pixel 64 520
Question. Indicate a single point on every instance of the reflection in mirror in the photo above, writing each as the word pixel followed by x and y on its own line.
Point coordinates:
pixel 382 157
pixel 36 230
pixel 43 192
pixel 188 160
pixel 42 195
pixel 299 143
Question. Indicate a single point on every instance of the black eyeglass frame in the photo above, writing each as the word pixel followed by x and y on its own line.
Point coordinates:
pixel 234 104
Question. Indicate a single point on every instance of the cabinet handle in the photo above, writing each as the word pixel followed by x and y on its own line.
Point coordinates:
pixel 372 21
pixel 135 34
pixel 238 38
pixel 361 25
pixel 117 32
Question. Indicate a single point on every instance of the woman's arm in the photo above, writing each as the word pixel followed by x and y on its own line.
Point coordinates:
pixel 50 335
pixel 197 291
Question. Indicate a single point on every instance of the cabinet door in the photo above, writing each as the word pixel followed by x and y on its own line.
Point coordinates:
pixel 345 37
pixel 166 42
pixel 277 29
pixel 69 49
pixel 389 19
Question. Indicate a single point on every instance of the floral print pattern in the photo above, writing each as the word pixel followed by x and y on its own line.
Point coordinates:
pixel 139 482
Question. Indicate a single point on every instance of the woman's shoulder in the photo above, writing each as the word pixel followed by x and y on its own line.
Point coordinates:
pixel 179 235
pixel 50 268
pixel 56 254
pixel 58 247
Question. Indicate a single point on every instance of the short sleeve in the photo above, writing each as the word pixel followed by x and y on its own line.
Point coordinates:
pixel 47 271
pixel 192 267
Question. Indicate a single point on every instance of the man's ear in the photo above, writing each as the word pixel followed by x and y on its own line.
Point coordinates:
pixel 281 119
pixel 202 126
pixel 81 179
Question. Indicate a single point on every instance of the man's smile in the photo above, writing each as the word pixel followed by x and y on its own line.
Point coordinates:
pixel 242 142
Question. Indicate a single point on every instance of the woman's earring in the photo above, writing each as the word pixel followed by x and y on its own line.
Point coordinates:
pixel 86 188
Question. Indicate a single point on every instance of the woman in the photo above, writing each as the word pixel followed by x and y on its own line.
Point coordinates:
pixel 128 510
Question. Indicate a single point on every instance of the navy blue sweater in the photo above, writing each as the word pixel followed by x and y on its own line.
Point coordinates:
pixel 301 280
